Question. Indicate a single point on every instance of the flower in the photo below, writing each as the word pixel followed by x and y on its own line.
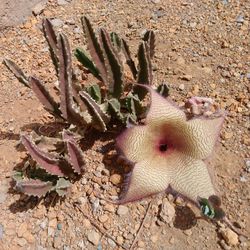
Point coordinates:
pixel 168 152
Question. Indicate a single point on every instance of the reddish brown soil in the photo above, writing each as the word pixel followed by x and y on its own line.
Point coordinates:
pixel 207 40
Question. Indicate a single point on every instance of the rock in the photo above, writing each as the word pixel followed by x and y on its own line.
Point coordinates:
pixel 43 224
pixel 95 205
pixel 141 243
pixel 248 166
pixel 120 240
pixel 52 226
pixel 93 237
pixel 59 226
pixel 192 24
pixel 207 70
pixel 111 243
pixel 243 179
pixel 3 197
pixel 230 237
pixel 167 212
pixel 103 218
pixel 22 229
pixel 171 240
pixel 180 60
pixel 224 245
pixel 3 192
pixel 38 9
pixel 242 239
pixel 224 45
pixel 122 210
pixel 109 208
pixel 39 212
pixel 86 223
pixel 21 242
pixel 29 237
pixel 115 179
pixel 82 200
pixel 154 238
pixel 77 30
pixel 186 77
pixel 227 135
pixel 1 231
pixel 181 86
pixel 57 22
pixel 57 243
pixel 240 19
pixel 62 2
pixel 188 232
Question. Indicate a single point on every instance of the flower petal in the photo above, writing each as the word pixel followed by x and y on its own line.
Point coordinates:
pixel 147 178
pixel 184 174
pixel 162 111
pixel 200 135
pixel 136 143
pixel 191 179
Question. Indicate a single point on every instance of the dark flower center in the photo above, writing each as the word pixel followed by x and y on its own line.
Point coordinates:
pixel 163 147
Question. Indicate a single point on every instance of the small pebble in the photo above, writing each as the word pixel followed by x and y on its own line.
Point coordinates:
pixel 167 212
pixel 86 223
pixel 141 243
pixel 38 9
pixel 122 210
pixel 171 240
pixel 57 22
pixel 59 226
pixel 230 237
pixel 186 77
pixel 115 179
pixel 62 2
pixel 120 240
pixel 1 231
pixel 111 243
pixel 154 238
pixel 21 242
pixel 103 218
pixel 93 237
pixel 188 232
pixel 181 86
pixel 240 19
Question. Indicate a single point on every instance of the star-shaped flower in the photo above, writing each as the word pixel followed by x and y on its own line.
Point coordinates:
pixel 169 152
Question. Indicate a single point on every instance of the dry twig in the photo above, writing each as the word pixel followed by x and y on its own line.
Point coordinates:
pixel 141 226
pixel 99 228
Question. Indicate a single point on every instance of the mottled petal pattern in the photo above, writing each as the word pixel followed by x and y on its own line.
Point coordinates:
pixel 148 177
pixel 136 137
pixel 201 136
pixel 192 179
pixel 163 111
pixel 168 151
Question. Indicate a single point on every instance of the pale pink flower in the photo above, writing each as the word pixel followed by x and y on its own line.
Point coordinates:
pixel 168 152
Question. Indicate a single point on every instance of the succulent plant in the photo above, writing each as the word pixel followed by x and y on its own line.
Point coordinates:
pixel 47 171
pixel 114 89
pixel 112 99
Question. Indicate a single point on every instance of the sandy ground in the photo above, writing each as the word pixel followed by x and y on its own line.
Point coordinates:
pixel 13 12
pixel 208 41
